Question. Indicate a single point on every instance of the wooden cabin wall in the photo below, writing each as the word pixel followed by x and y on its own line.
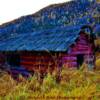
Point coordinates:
pixel 39 61
pixel 69 60
pixel 83 47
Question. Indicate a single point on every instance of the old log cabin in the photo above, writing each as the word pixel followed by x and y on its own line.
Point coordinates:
pixel 68 47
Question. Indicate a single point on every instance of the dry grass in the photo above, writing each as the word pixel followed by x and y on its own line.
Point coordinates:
pixel 79 84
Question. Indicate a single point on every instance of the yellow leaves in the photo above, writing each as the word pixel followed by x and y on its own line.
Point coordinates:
pixel 97 42
pixel 97 64
pixel 98 1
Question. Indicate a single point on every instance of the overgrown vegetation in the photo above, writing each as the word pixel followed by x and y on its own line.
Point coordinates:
pixel 73 85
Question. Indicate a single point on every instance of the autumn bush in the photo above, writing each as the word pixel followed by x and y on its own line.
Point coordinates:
pixel 77 84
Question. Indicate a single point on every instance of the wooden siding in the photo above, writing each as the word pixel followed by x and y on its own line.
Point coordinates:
pixel 82 46
pixel 37 61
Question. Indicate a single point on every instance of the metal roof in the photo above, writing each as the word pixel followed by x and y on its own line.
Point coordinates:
pixel 58 39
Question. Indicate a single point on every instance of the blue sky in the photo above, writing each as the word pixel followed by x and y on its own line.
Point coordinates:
pixel 12 9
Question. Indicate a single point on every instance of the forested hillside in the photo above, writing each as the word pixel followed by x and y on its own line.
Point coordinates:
pixel 76 12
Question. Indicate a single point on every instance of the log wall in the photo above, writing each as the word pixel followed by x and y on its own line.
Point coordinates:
pixel 38 61
pixel 82 46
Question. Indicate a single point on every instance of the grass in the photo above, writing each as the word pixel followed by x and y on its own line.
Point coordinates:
pixel 73 85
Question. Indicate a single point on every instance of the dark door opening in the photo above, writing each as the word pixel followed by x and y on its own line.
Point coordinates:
pixel 13 59
pixel 80 60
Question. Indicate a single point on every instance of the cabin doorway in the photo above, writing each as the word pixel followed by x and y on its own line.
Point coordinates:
pixel 80 60
pixel 13 59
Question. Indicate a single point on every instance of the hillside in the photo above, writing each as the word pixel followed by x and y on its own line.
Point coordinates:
pixel 77 12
